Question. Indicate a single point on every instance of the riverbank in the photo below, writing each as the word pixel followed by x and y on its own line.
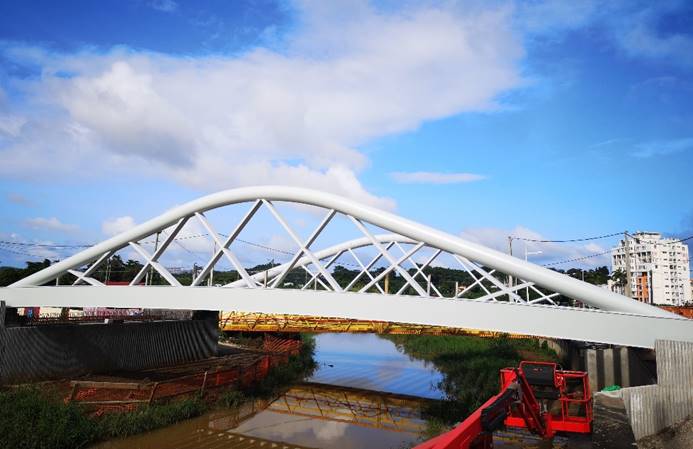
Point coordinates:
pixel 33 418
pixel 470 368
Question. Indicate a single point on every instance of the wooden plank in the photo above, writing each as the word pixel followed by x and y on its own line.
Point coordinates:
pixel 110 385
pixel 131 401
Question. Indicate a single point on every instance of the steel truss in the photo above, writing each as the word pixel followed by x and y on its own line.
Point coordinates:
pixel 407 252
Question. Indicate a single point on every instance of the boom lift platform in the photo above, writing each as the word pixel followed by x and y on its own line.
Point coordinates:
pixel 537 396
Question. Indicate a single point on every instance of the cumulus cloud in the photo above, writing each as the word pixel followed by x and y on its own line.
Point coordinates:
pixel 497 238
pixel 115 226
pixel 295 116
pixel 422 177
pixel 50 224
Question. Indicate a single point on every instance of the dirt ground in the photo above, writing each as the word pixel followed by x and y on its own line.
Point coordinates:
pixel 679 436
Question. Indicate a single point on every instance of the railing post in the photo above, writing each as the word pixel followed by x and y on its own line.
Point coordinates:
pixel 73 392
pixel 204 383
pixel 151 395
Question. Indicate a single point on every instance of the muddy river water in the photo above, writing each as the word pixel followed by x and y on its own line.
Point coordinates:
pixel 364 394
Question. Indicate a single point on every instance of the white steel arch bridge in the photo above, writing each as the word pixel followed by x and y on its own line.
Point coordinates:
pixel 512 295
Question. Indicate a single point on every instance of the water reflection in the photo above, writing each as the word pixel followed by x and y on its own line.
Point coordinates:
pixel 335 409
pixel 307 416
pixel 365 394
pixel 369 362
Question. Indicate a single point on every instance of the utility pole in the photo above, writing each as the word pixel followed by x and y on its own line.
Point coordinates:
pixel 151 268
pixel 510 251
pixel 628 290
pixel 210 282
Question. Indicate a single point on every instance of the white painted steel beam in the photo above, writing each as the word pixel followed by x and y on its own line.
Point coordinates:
pixel 480 255
pixel 538 320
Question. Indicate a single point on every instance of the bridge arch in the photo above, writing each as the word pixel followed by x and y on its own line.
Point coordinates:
pixel 483 263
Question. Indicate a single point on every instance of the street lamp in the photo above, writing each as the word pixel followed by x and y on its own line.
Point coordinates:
pixel 529 253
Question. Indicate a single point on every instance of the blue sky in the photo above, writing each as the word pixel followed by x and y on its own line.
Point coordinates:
pixel 542 119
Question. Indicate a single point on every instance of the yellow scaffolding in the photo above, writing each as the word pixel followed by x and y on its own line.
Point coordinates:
pixel 260 322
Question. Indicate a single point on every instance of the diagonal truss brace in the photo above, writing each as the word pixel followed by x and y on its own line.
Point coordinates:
pixel 327 265
pixel 510 292
pixel 303 249
pixel 396 265
pixel 151 261
pixel 85 276
pixel 477 280
pixel 365 270
pixel 89 280
pixel 389 257
pixel 229 240
pixel 225 250
pixel 419 269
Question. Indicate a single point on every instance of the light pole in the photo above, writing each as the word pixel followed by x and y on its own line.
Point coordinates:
pixel 529 253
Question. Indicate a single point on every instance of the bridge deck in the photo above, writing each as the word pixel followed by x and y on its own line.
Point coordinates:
pixel 513 318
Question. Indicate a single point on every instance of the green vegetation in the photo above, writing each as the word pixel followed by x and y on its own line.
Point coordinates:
pixel 119 425
pixel 10 275
pixel 470 368
pixel 30 419
pixel 36 419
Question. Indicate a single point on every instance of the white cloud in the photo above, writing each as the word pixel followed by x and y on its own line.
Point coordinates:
pixel 164 5
pixel 497 238
pixel 662 147
pixel 637 29
pixel 115 226
pixel 19 199
pixel 639 35
pixel 50 224
pixel 293 117
pixel 422 177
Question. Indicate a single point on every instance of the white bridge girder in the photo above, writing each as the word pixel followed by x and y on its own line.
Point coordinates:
pixel 501 308
pixel 515 318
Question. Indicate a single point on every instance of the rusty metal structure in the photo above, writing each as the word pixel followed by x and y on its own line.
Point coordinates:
pixel 263 322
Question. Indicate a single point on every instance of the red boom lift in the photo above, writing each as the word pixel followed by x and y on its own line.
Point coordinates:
pixel 537 396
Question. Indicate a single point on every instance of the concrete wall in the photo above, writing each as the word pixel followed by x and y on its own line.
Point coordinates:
pixel 51 352
pixel 651 408
pixel 615 366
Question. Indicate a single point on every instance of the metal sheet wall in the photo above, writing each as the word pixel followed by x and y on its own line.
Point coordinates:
pixel 50 352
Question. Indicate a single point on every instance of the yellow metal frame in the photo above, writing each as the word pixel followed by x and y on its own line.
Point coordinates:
pixel 260 322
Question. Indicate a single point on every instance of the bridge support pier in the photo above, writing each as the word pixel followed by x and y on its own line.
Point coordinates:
pixel 652 408
pixel 618 365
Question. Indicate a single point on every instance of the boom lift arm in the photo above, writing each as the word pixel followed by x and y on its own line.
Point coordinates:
pixel 518 405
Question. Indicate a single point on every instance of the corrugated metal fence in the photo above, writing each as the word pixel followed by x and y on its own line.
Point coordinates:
pixel 651 408
pixel 51 352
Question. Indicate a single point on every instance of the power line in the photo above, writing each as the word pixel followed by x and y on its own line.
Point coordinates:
pixel 583 239
pixel 21 253
pixel 42 245
pixel 611 251
pixel 577 259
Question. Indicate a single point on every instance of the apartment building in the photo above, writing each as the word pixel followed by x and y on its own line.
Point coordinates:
pixel 659 268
